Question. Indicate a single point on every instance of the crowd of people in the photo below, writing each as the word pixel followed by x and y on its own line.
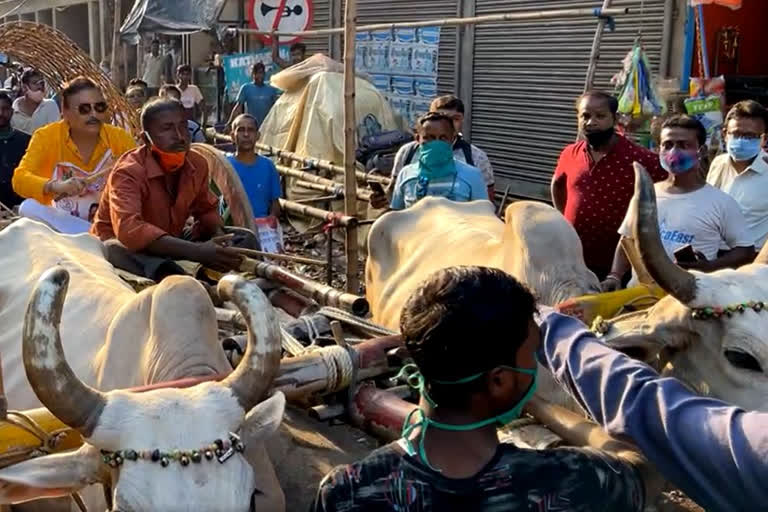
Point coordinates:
pixel 149 201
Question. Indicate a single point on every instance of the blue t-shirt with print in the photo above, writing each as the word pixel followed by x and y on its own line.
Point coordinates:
pixel 258 99
pixel 261 182
pixel 466 185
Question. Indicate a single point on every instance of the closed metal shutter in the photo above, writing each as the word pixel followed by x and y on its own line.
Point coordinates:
pixel 321 18
pixel 527 76
pixel 396 11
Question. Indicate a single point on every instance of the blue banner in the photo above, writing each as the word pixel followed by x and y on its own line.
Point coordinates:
pixel 237 68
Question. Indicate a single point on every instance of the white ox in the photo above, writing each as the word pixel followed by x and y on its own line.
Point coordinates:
pixel 115 338
pixel 534 243
pixel 725 357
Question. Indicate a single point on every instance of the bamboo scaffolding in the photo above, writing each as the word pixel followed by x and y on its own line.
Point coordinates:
pixel 447 22
pixel 350 145
pixel 314 163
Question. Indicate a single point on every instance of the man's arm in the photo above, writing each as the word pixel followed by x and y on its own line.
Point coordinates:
pixel 714 452
pixel 559 192
pixel 276 54
pixel 239 107
pixel 483 163
pixel 35 170
pixel 734 258
pixel 619 269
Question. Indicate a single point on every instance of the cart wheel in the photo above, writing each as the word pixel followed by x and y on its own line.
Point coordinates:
pixel 234 206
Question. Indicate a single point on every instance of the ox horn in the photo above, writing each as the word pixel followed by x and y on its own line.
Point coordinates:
pixel 257 369
pixel 679 283
pixel 76 404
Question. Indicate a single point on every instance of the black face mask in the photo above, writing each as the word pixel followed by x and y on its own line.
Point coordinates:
pixel 599 139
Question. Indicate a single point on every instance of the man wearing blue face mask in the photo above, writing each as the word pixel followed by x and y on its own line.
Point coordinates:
pixel 742 173
pixel 691 212
pixel 449 457
pixel 437 173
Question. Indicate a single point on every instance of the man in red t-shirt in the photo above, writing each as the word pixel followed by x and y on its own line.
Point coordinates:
pixel 594 180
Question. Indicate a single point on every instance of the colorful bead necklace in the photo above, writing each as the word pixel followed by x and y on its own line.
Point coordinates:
pixel 717 312
pixel 222 449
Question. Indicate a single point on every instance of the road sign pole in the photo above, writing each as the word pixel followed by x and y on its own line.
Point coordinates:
pixel 350 140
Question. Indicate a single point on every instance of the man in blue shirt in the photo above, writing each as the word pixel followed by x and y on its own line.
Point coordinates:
pixel 258 174
pixel 255 98
pixel 437 173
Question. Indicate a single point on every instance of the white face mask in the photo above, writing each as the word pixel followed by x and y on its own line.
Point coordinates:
pixel 36 96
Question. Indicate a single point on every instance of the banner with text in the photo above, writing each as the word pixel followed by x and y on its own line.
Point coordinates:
pixel 403 66
pixel 237 68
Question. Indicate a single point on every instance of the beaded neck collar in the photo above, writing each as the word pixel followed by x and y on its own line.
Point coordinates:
pixel 718 312
pixel 222 449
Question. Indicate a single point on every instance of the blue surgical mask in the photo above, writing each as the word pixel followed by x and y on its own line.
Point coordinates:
pixel 678 161
pixel 743 148
pixel 416 380
pixel 436 159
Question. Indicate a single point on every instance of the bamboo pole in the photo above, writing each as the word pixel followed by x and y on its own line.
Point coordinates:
pixel 251 253
pixel 316 213
pixel 594 53
pixel 323 294
pixel 336 190
pixel 448 22
pixel 350 144
pixel 116 73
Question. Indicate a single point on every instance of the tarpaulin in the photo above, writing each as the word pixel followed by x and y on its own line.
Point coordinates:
pixel 170 17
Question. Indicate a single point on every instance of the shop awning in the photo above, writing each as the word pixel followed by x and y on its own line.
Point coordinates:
pixel 173 17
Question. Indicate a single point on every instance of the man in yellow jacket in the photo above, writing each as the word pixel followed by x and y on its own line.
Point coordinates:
pixel 67 162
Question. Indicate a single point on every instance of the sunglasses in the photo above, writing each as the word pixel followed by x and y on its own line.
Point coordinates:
pixel 86 108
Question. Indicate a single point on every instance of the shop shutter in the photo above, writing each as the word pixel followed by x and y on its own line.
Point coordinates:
pixel 396 11
pixel 321 18
pixel 527 76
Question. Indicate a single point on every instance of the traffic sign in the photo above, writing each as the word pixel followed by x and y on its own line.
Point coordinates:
pixel 280 16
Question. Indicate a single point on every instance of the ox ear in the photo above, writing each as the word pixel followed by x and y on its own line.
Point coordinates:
pixel 51 476
pixel 263 420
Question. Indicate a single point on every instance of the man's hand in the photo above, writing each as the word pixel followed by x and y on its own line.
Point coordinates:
pixel 379 201
pixel 701 264
pixel 66 188
pixel 217 257
pixel 611 284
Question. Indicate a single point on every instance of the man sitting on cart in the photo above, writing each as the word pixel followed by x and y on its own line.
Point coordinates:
pixel 150 195
pixel 64 169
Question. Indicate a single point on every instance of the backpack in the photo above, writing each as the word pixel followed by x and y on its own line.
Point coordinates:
pixel 460 143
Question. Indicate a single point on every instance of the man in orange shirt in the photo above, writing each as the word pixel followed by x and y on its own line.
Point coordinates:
pixel 67 161
pixel 151 193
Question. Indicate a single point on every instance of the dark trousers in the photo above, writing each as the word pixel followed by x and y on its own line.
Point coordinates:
pixel 157 267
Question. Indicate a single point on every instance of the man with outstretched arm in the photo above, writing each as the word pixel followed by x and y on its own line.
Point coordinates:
pixel 714 452
pixel 151 193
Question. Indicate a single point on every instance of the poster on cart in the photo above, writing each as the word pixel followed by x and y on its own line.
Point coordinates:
pixel 237 68
pixel 403 66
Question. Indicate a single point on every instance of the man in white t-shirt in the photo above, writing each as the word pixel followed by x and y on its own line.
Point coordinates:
pixel 191 97
pixel 742 172
pixel 32 110
pixel 691 212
